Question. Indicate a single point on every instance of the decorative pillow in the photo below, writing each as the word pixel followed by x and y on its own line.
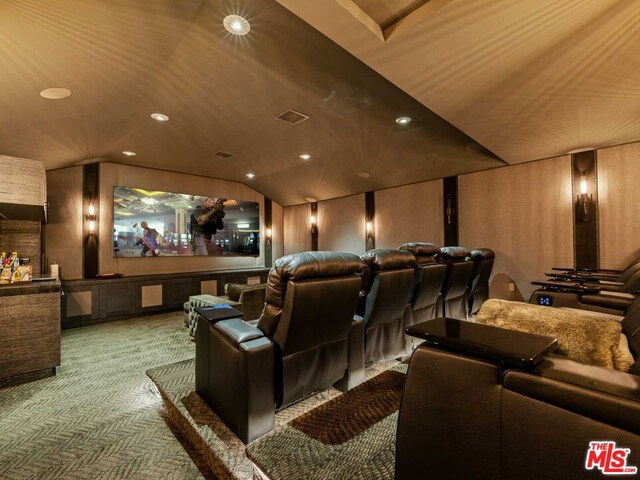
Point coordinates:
pixel 580 337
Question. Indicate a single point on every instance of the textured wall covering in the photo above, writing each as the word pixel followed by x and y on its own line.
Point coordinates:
pixel 412 213
pixel 341 225
pixel 63 232
pixel 619 204
pixel 525 214
pixel 297 233
pixel 277 227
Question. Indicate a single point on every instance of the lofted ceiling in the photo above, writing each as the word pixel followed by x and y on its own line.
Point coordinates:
pixel 126 59
pixel 528 79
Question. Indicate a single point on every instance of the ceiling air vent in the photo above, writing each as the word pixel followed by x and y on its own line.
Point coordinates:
pixel 224 155
pixel 292 117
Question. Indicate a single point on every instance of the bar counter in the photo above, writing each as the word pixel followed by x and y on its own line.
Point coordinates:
pixel 29 331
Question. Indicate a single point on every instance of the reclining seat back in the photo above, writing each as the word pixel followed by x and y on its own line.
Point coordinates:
pixel 425 300
pixel 482 259
pixel 456 281
pixel 388 287
pixel 310 301
pixel 631 329
pixel 631 280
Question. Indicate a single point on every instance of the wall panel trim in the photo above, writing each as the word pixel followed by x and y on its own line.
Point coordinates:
pixel 584 167
pixel 450 196
pixel 90 194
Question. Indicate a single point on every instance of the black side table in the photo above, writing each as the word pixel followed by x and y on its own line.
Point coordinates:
pixel 509 348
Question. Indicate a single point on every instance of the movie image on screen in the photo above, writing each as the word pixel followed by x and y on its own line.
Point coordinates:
pixel 149 223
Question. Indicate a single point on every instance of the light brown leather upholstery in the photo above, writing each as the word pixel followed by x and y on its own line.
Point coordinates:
pixel 478 292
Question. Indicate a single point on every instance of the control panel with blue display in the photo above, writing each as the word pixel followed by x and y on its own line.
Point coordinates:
pixel 545 300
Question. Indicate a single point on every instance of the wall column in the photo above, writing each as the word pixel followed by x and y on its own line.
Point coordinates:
pixel 91 196
pixel 584 175
pixel 450 195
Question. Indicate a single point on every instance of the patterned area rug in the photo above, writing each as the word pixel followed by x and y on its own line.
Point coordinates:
pixel 352 436
pixel 329 435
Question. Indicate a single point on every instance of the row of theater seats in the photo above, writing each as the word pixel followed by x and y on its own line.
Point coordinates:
pixel 604 291
pixel 308 338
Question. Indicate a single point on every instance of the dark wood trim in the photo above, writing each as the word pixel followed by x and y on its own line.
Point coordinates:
pixel 27 377
pixel 91 194
pixel 314 226
pixel 370 218
pixel 584 166
pixel 268 224
pixel 450 196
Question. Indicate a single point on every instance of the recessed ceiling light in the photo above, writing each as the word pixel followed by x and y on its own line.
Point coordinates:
pixel 310 199
pixel 251 175
pixel 305 156
pixel 55 93
pixel 403 120
pixel 160 117
pixel 129 153
pixel 236 24
pixel 364 174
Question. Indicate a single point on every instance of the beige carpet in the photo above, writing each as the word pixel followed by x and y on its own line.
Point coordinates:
pixel 100 417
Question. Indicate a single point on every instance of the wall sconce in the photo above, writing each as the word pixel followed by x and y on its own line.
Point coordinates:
pixel 369 227
pixel 314 226
pixel 91 217
pixel 584 201
pixel 268 233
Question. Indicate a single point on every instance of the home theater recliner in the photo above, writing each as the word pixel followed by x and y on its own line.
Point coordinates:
pixel 430 272
pixel 388 281
pixel 456 281
pixel 305 341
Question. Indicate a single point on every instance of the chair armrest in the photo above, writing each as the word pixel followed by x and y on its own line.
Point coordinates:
pixel 599 393
pixel 235 331
pixel 568 287
pixel 606 301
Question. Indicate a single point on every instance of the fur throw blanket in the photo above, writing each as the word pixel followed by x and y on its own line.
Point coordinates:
pixel 583 338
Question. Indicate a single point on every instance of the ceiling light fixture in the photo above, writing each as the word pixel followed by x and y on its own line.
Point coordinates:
pixel 364 174
pixel 403 120
pixel 311 199
pixel 236 25
pixel 160 117
pixel 251 175
pixel 55 93
pixel 129 153
pixel 305 156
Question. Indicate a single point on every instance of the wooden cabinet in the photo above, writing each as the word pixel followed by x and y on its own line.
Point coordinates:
pixel 29 333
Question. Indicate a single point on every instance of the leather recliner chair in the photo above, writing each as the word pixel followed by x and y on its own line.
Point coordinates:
pixel 387 283
pixel 456 281
pixel 482 259
pixel 520 424
pixel 597 274
pixel 598 297
pixel 425 299
pixel 305 341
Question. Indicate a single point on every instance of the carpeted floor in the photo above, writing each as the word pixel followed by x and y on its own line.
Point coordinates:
pixel 100 417
pixel 350 435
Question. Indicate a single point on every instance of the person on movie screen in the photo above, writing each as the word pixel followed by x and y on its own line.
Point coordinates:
pixel 206 220
pixel 149 240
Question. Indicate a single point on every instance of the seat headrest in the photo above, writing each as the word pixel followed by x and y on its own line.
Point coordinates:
pixel 384 259
pixel 482 253
pixel 420 249
pixel 300 266
pixel 454 253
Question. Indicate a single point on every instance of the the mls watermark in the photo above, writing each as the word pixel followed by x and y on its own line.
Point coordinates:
pixel 609 459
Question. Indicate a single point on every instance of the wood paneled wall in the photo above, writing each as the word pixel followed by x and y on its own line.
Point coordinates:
pixel 619 202
pixel 297 230
pixel 277 227
pixel 412 213
pixel 524 213
pixel 341 224
pixel 63 233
